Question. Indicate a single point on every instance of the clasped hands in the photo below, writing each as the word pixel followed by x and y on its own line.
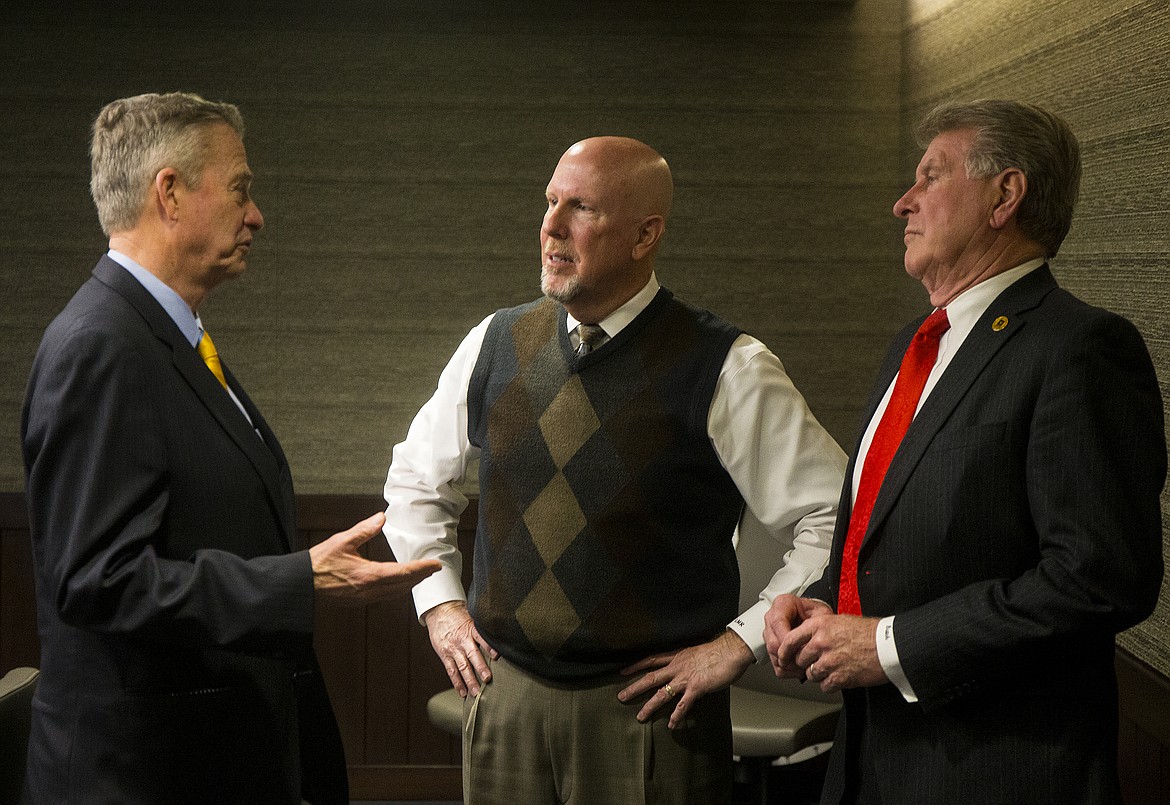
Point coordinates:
pixel 341 574
pixel 806 640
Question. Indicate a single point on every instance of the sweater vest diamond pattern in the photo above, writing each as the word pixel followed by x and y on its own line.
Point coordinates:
pixel 585 464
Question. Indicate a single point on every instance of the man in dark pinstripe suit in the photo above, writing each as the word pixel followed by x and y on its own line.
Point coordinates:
pixel 174 614
pixel 1017 528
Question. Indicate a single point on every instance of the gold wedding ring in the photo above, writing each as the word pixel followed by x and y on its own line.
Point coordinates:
pixel 669 690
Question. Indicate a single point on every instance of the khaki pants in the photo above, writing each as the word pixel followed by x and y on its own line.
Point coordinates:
pixel 527 741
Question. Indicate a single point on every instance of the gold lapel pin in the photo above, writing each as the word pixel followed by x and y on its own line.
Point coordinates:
pixel 999 324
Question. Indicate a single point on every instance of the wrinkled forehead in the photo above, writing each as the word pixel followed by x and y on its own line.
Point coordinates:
pixel 948 149
pixel 581 176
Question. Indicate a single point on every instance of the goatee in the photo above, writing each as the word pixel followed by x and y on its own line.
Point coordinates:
pixel 567 291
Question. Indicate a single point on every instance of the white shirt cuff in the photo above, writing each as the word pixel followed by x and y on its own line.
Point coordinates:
pixel 436 589
pixel 887 651
pixel 750 628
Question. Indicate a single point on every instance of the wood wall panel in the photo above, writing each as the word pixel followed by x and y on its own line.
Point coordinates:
pixel 1144 733
pixel 19 645
pixel 380 670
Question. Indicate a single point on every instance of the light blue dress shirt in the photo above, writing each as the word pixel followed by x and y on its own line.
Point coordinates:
pixel 182 315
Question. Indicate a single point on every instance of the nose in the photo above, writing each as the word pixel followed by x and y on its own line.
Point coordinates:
pixel 253 219
pixel 902 205
pixel 554 222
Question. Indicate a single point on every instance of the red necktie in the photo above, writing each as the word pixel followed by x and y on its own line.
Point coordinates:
pixel 916 365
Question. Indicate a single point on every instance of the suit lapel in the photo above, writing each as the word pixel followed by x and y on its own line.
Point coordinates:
pixel 264 454
pixel 979 348
pixel 264 442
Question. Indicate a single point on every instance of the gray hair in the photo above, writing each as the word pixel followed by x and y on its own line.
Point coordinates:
pixel 1013 134
pixel 134 138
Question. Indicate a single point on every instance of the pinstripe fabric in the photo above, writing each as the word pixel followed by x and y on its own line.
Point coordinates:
pixel 1017 530
pixel 176 626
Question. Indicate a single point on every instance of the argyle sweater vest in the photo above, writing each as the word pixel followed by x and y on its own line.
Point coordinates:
pixel 605 517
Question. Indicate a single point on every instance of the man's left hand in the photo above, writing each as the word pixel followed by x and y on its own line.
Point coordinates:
pixel 689 674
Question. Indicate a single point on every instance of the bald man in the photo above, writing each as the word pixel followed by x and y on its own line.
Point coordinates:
pixel 621 434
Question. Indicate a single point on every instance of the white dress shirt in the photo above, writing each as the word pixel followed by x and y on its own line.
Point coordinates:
pixel 963 313
pixel 786 466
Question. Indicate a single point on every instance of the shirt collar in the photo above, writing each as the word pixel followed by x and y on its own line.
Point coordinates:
pixel 187 322
pixel 615 322
pixel 965 309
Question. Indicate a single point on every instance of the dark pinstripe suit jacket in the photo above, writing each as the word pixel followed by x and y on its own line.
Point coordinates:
pixel 175 624
pixel 1017 530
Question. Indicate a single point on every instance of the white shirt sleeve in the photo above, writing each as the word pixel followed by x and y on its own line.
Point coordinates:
pixel 423 501
pixel 787 467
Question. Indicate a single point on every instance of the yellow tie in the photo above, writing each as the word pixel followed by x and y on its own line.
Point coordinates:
pixel 211 358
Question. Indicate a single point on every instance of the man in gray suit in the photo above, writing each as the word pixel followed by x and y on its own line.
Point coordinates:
pixel 175 616
pixel 1000 517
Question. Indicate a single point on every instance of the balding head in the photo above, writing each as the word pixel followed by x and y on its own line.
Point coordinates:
pixel 608 201
pixel 636 172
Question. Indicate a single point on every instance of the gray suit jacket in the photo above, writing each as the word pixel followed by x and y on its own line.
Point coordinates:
pixel 175 623
pixel 1017 530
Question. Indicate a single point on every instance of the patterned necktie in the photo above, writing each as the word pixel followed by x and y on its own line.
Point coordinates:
pixel 211 358
pixel 591 336
pixel 916 365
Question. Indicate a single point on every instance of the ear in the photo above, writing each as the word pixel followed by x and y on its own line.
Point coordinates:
pixel 166 193
pixel 1011 186
pixel 650 232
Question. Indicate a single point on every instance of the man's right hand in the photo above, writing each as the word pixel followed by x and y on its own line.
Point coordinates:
pixel 459 645
pixel 343 575
pixel 787 613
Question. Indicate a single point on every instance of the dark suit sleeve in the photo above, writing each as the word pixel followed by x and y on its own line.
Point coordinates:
pixel 1095 462
pixel 99 489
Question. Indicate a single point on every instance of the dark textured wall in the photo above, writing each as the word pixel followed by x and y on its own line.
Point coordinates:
pixel 401 152
pixel 1105 67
